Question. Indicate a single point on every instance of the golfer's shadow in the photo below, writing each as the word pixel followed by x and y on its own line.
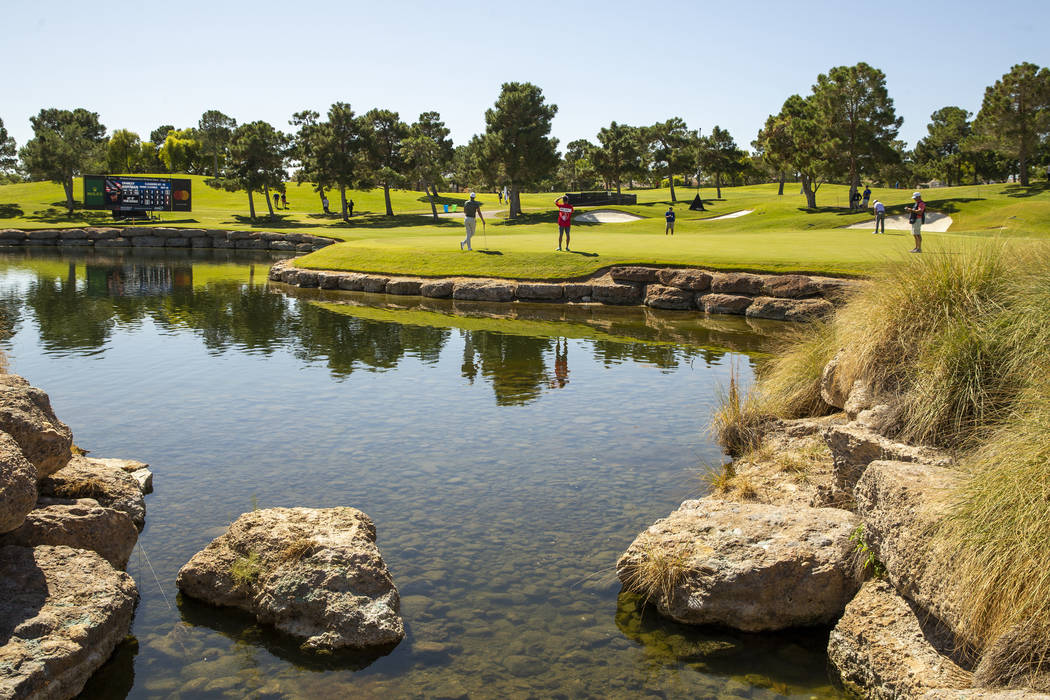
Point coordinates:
pixel 580 252
pixel 488 252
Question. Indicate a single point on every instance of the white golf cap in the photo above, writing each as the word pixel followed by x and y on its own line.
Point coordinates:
pixel 915 195
pixel 472 195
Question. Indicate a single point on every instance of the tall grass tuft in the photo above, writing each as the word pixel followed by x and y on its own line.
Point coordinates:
pixel 739 423
pixel 790 381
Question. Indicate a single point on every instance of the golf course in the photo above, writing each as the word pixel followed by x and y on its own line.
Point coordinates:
pixel 777 235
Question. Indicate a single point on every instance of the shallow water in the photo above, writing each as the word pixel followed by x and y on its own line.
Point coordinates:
pixel 508 455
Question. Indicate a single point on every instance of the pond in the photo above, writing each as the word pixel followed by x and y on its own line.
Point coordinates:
pixel 507 454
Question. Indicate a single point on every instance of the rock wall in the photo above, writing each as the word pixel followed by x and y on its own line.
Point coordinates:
pixel 777 297
pixel 68 524
pixel 100 237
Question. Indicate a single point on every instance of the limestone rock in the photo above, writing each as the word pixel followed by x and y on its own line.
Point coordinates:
pixel 789 309
pixel 374 283
pixel 144 477
pixel 750 566
pixel 632 273
pixel 540 291
pixel 659 296
pixel 352 282
pixel 790 286
pixel 618 294
pixel 62 612
pixel 307 278
pixel 436 289
pixel 737 283
pixel 17 484
pixel 577 291
pixel 853 447
pixel 108 532
pixel 723 303
pixel 26 415
pixel 483 290
pixel 881 650
pixel 328 280
pixel 900 503
pixel 403 285
pixel 692 280
pixel 112 487
pixel 830 387
pixel 313 573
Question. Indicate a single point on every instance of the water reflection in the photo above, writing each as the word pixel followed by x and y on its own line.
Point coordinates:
pixel 521 351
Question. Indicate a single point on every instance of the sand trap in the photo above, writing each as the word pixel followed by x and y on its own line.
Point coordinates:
pixel 734 215
pixel 935 223
pixel 606 216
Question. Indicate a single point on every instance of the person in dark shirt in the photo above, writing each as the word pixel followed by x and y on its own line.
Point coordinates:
pixel 276 199
pixel 867 196
pixel 471 210
pixel 669 217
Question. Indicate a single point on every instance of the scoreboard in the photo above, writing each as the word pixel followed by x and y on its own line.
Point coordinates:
pixel 137 193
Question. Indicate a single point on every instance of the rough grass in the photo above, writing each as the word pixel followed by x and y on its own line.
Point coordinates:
pixel 246 570
pixel 740 421
pixel 656 570
pixel 297 550
pixel 88 487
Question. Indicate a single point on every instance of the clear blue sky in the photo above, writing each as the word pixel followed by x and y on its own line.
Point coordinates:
pixel 731 63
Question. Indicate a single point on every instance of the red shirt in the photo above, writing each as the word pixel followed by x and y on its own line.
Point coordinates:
pixel 565 214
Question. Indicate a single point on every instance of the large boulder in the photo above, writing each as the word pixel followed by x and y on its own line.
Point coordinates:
pixel 779 309
pixel 723 303
pixel 540 291
pixel 634 273
pixel 17 484
pixel 615 293
pixel 881 649
pixel 737 283
pixel 26 415
pixel 692 280
pixel 313 573
pixel 900 504
pixel 853 447
pixel 62 612
pixel 790 286
pixel 483 290
pixel 81 525
pixel 111 486
pixel 754 567
pixel 660 296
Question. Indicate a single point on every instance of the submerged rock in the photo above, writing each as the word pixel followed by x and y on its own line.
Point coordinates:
pixel 101 480
pixel 750 566
pixel 26 415
pixel 881 649
pixel 313 573
pixel 80 525
pixel 62 612
pixel 17 484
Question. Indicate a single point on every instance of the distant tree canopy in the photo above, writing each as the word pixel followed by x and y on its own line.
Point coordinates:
pixel 123 152
pixel 718 155
pixel 214 131
pixel 941 153
pixel 256 163
pixel 8 152
pixel 1015 115
pixel 65 143
pixel 517 139
pixel 384 134
pixel 181 152
pixel 428 155
pixel 671 145
pixel 619 155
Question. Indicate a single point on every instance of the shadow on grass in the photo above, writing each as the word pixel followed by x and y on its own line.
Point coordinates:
pixel 449 199
pixel 488 252
pixel 61 216
pixel 1030 191
pixel 10 211
pixel 584 254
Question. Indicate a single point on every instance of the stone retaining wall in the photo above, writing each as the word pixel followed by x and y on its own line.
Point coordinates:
pixel 778 297
pixel 161 237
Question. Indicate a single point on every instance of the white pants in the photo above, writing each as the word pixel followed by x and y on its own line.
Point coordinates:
pixel 470 222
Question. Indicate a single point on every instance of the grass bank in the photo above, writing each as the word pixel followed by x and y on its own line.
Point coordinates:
pixel 779 235
pixel 958 345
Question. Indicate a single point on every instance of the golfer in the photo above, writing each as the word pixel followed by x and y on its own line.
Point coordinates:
pixel 471 209
pixel 880 216
pixel 917 219
pixel 564 219
pixel 669 217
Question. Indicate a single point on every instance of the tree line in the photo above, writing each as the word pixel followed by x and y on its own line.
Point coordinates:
pixel 845 130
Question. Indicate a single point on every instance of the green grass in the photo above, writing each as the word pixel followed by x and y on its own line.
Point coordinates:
pixel 780 236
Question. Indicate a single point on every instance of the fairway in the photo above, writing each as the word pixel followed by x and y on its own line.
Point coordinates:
pixel 776 234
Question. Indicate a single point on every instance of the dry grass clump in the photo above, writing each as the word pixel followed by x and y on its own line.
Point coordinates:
pixel 799 463
pixel 790 381
pixel 656 570
pixel 246 570
pixel 297 550
pixel 739 422
pixel 87 487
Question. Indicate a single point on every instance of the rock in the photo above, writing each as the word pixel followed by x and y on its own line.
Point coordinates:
pixel 307 278
pixel 290 276
pixel 853 447
pixel 692 280
pixel 374 283
pixel 539 291
pixel 404 285
pixel 313 573
pixel 328 280
pixel 12 234
pixel 631 273
pixel 17 484
pixel 62 612
pixel 108 532
pixel 659 296
pixel 352 282
pixel 26 415
pixel 41 235
pixel 880 418
pixel 830 385
pixel 274 245
pixel 97 233
pixel 112 487
pixel 750 566
pixel 577 291
pixel 737 283
pixel 119 242
pixel 483 290
pixel 900 503
pixel 723 303
pixel 1015 660
pixel 790 286
pixel 789 309
pixel 147 242
pixel 144 477
pixel 616 293
pixel 436 289
pixel 881 650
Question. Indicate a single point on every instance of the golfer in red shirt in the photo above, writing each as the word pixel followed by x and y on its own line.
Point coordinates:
pixel 564 219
